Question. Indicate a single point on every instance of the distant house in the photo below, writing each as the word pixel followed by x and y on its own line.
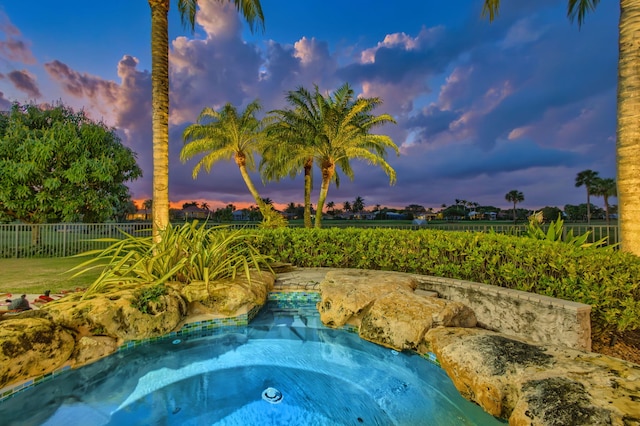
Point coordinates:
pixel 142 214
pixel 193 212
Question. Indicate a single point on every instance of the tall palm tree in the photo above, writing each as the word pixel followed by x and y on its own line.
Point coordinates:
pixel 346 125
pixel 628 127
pixel 358 204
pixel 223 135
pixel 587 178
pixel 252 12
pixel 293 132
pixel 605 188
pixel 514 197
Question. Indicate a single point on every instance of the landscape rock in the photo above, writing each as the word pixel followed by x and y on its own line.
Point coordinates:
pixel 117 314
pixel 537 385
pixel 30 347
pixel 385 307
pixel 92 348
pixel 400 319
pixel 229 297
pixel 347 293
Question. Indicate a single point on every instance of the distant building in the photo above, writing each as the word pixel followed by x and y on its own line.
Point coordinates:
pixel 193 212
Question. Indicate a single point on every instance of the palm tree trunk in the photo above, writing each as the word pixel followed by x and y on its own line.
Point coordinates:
pixel 252 189
pixel 308 168
pixel 160 114
pixel 514 212
pixel 588 206
pixel 606 207
pixel 328 169
pixel 628 137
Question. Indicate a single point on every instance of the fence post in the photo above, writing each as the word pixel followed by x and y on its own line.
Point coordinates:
pixel 16 231
pixel 64 240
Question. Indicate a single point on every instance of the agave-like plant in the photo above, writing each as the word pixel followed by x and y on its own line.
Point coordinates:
pixel 185 253
pixel 555 232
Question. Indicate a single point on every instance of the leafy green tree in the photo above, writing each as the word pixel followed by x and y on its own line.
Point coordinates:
pixel 57 165
pixel 226 134
pixel 605 188
pixel 550 213
pixel 252 12
pixel 514 197
pixel 124 208
pixel 628 126
pixel 587 178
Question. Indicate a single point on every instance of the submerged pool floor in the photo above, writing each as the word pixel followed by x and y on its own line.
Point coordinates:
pixel 285 368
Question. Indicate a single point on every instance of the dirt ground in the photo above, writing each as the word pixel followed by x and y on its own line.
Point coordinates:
pixel 624 345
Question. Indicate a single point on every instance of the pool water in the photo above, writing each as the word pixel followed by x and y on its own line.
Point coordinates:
pixel 285 368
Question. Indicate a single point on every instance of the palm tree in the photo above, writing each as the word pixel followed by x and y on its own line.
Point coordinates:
pixel 605 188
pixel 293 132
pixel 514 197
pixel 222 135
pixel 346 124
pixel 628 127
pixel 252 12
pixel 331 206
pixel 587 178
pixel 358 204
pixel 346 206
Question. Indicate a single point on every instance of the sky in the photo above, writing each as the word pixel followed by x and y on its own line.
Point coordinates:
pixel 482 108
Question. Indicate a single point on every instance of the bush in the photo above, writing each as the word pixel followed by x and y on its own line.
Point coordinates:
pixel 607 280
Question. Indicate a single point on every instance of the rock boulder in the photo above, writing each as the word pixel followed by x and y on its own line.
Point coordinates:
pixel 30 347
pixel 532 384
pixel 385 307
pixel 124 314
pixel 229 297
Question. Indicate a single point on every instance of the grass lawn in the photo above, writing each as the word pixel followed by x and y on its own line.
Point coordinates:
pixel 37 275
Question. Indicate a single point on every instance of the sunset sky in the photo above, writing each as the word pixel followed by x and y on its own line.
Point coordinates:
pixel 525 102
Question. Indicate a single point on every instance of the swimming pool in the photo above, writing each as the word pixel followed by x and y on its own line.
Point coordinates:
pixel 284 368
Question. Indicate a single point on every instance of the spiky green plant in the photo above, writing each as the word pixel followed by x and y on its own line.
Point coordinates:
pixel 555 232
pixel 185 253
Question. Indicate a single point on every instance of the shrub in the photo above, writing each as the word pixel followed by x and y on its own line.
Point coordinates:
pixel 607 280
pixel 186 253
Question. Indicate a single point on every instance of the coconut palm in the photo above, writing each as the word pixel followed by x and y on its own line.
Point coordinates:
pixel 605 188
pixel 293 132
pixel 344 135
pixel 252 12
pixel 358 204
pixel 331 206
pixel 587 178
pixel 223 135
pixel 628 127
pixel 514 197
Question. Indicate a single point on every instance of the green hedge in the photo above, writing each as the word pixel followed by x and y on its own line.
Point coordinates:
pixel 607 280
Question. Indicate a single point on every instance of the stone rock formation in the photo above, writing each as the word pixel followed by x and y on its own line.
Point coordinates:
pixel 537 385
pixel 229 297
pixel 119 314
pixel 92 348
pixel 385 308
pixel 30 347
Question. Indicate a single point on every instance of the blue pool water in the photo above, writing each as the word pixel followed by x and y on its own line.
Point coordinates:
pixel 285 368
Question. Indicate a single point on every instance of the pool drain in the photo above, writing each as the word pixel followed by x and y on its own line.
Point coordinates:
pixel 272 395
